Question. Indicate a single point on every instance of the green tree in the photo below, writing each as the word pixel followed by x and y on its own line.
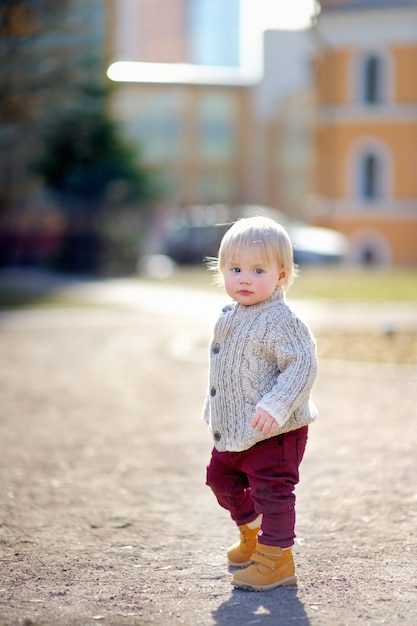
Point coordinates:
pixel 85 158
pixel 96 176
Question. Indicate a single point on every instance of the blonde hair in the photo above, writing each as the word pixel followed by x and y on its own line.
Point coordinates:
pixel 263 235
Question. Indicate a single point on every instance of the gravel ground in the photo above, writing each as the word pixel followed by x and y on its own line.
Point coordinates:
pixel 104 515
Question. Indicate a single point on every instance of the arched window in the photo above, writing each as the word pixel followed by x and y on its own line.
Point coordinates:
pixel 370 247
pixel 370 176
pixel 370 171
pixel 372 77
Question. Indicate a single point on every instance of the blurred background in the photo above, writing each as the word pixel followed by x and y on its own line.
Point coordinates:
pixel 131 133
pixel 134 128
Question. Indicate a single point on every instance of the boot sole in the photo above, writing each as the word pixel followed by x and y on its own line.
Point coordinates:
pixel 285 582
pixel 239 564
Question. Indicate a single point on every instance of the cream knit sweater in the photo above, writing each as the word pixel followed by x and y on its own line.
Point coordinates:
pixel 260 356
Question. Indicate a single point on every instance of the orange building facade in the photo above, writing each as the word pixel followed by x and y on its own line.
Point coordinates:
pixel 366 138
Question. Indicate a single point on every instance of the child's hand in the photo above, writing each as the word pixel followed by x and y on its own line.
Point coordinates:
pixel 264 422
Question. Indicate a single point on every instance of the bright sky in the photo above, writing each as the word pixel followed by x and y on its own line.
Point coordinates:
pixel 267 14
pixel 260 15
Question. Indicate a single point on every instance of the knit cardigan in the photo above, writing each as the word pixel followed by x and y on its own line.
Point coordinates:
pixel 261 355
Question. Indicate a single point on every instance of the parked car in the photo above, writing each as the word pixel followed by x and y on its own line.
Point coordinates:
pixel 190 244
pixel 315 245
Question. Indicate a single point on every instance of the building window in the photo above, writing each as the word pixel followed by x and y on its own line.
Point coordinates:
pixel 370 247
pixel 218 129
pixel 218 188
pixel 155 122
pixel 214 30
pixel 370 171
pixel 370 177
pixel 372 76
pixel 372 79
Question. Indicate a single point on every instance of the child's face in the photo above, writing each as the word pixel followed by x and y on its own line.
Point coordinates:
pixel 249 278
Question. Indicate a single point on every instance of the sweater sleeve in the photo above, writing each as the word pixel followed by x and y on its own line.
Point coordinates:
pixel 295 353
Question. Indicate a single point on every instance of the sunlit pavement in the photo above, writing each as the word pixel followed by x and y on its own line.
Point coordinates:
pixel 203 305
pixel 101 406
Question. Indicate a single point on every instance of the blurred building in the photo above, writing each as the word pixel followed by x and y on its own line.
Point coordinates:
pixel 179 31
pixel 366 142
pixel 217 136
pixel 218 132
pixel 194 134
pixel 337 146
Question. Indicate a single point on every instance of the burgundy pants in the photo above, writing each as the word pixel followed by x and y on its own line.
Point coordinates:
pixel 261 480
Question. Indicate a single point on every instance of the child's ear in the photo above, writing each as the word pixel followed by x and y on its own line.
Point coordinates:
pixel 282 278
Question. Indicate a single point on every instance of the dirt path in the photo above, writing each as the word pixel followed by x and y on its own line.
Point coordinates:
pixel 104 515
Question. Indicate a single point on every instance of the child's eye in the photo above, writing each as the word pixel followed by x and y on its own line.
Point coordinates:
pixel 236 270
pixel 258 271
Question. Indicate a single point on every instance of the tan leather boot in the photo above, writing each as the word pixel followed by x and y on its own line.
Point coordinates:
pixel 239 554
pixel 270 567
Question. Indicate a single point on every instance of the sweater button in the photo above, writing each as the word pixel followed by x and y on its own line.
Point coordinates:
pixel 213 392
pixel 216 348
pixel 217 435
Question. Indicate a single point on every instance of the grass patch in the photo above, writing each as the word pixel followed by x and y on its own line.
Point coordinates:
pixel 16 298
pixel 330 283
pixel 21 298
pixel 357 284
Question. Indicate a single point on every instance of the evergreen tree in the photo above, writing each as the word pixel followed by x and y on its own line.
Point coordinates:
pixel 94 174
